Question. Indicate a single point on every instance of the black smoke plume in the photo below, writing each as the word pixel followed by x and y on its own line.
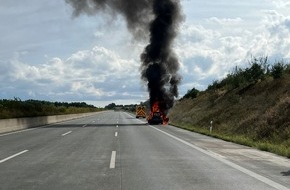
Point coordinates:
pixel 159 63
pixel 137 13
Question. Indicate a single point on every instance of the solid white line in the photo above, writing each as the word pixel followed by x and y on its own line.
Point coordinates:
pixel 116 134
pixel 227 162
pixel 14 155
pixel 66 133
pixel 113 159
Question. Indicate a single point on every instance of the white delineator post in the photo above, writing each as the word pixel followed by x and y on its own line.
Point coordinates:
pixel 210 127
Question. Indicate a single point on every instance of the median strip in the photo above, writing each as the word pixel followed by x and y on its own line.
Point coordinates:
pixel 66 133
pixel 14 155
pixel 113 160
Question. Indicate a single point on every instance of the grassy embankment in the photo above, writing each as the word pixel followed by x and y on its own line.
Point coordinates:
pixel 31 108
pixel 250 111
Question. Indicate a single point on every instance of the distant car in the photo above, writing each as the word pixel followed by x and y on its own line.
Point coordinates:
pixel 155 119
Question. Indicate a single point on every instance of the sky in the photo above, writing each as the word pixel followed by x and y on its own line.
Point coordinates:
pixel 48 54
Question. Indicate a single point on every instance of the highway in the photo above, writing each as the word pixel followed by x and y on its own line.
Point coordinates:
pixel 113 150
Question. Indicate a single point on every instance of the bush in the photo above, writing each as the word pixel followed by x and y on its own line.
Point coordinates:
pixel 277 70
pixel 191 93
pixel 258 69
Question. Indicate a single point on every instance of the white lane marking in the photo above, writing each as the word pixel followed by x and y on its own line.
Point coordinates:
pixel 66 133
pixel 14 155
pixel 117 121
pixel 23 130
pixel 116 134
pixel 113 160
pixel 91 122
pixel 117 126
pixel 227 162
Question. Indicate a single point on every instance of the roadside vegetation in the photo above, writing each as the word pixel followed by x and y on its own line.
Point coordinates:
pixel 128 108
pixel 250 106
pixel 16 108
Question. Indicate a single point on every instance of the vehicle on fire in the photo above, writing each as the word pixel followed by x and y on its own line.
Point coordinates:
pixel 155 118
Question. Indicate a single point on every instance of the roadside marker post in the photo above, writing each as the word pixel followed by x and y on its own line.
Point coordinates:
pixel 210 127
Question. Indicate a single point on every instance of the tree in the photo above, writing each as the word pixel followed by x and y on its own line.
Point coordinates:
pixel 110 106
pixel 191 93
pixel 277 70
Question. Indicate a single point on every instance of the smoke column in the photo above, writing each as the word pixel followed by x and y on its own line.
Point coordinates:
pixel 137 13
pixel 159 63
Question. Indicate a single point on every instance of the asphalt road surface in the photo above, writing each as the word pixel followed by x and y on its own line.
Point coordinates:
pixel 114 150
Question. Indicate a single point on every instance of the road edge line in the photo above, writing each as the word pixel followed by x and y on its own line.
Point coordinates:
pixel 227 162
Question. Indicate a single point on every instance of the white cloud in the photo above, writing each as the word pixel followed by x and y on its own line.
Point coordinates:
pixel 281 3
pixel 208 52
pixel 47 55
pixel 225 21
pixel 89 74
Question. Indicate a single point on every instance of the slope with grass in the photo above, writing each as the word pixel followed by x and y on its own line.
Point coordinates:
pixel 255 113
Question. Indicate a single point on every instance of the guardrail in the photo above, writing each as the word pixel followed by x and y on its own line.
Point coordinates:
pixel 9 125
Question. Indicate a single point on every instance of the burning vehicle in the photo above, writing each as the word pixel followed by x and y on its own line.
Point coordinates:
pixel 156 116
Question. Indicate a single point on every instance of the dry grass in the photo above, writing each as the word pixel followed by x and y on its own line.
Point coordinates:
pixel 256 115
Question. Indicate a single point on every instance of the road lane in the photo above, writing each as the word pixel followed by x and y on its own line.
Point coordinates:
pixel 92 156
pixel 155 161
pixel 229 163
pixel 263 163
pixel 12 142
pixel 78 161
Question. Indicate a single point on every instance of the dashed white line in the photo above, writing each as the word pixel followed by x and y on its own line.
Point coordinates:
pixel 116 134
pixel 85 125
pixel 117 126
pixel 66 133
pixel 14 155
pixel 24 130
pixel 227 162
pixel 113 160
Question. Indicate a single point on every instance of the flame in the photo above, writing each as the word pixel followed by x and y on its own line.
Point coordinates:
pixel 155 108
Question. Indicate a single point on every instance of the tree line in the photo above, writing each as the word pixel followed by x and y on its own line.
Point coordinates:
pixel 15 108
pixel 259 69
